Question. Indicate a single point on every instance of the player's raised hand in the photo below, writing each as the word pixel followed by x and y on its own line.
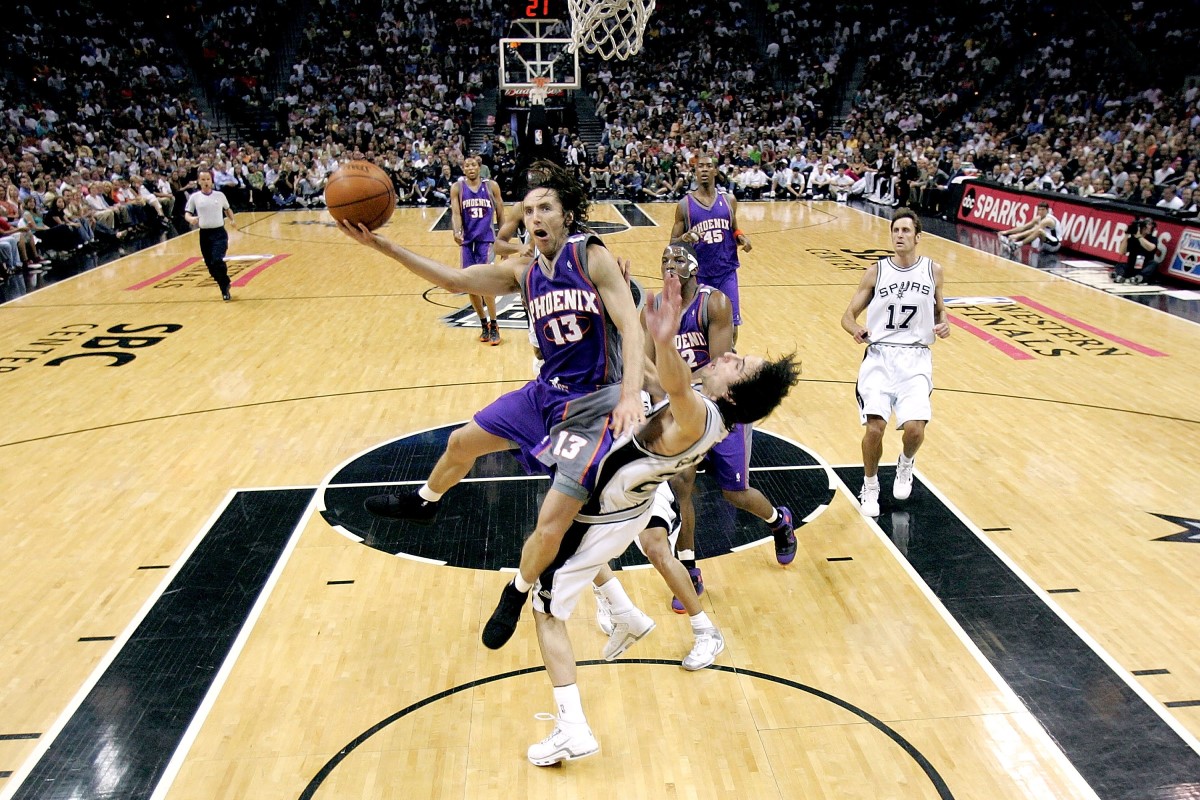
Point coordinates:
pixel 358 233
pixel 662 316
pixel 623 264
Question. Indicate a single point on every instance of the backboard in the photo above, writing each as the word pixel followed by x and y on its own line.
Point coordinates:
pixel 538 52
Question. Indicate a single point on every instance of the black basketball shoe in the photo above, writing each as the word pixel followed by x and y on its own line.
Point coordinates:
pixel 503 623
pixel 406 504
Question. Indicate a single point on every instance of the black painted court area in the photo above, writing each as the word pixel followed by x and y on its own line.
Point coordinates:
pixel 118 743
pixel 484 520
pixel 1120 746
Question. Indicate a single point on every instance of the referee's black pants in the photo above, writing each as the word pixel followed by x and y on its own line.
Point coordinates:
pixel 214 242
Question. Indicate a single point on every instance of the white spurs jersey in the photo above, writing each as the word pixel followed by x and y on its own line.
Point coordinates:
pixel 901 309
pixel 630 473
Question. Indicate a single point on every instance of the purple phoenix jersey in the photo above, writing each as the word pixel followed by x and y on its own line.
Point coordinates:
pixel 477 212
pixel 692 339
pixel 729 460
pixel 581 347
pixel 716 247
pixel 477 216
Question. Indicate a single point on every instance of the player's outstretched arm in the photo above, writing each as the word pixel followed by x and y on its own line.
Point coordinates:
pixel 485 279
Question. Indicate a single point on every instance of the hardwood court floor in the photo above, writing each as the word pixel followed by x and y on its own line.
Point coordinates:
pixel 140 406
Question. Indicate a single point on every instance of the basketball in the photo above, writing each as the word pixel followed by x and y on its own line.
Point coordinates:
pixel 360 192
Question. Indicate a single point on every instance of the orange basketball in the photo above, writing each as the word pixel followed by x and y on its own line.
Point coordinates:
pixel 360 192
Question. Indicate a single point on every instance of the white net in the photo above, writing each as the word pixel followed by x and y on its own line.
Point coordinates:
pixel 609 28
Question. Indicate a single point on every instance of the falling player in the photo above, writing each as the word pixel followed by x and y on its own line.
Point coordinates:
pixel 677 433
pixel 705 334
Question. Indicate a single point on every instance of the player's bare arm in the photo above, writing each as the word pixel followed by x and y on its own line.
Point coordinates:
pixel 858 304
pixel 618 300
pixel 720 325
pixel 679 228
pixel 650 379
pixel 456 220
pixel 508 229
pixel 485 279
pixel 687 416
pixel 742 239
pixel 497 203
pixel 941 325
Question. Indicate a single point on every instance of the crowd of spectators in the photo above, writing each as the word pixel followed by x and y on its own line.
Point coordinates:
pixel 967 90
pixel 102 137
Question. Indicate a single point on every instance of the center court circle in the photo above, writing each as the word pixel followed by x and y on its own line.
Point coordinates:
pixel 937 783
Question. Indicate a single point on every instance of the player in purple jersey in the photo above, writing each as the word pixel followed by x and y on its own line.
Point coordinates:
pixel 475 205
pixel 589 389
pixel 701 408
pixel 706 334
pixel 707 219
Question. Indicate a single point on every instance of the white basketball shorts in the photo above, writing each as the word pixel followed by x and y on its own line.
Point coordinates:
pixel 895 379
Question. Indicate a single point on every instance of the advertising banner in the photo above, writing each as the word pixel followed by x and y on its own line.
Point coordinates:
pixel 1084 227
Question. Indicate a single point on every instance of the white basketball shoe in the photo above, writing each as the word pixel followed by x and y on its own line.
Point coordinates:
pixel 902 486
pixel 628 628
pixel 567 742
pixel 868 499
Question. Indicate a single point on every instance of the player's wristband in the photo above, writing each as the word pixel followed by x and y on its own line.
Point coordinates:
pixel 738 232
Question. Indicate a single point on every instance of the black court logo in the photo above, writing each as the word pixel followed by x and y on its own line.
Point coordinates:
pixel 483 521
pixel 114 346
pixel 510 314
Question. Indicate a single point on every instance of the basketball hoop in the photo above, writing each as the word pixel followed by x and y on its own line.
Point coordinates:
pixel 538 92
pixel 609 28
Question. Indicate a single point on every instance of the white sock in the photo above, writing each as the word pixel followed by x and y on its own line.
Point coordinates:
pixel 771 520
pixel 570 707
pixel 906 460
pixel 700 622
pixel 685 555
pixel 425 493
pixel 522 585
pixel 871 481
pixel 614 593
